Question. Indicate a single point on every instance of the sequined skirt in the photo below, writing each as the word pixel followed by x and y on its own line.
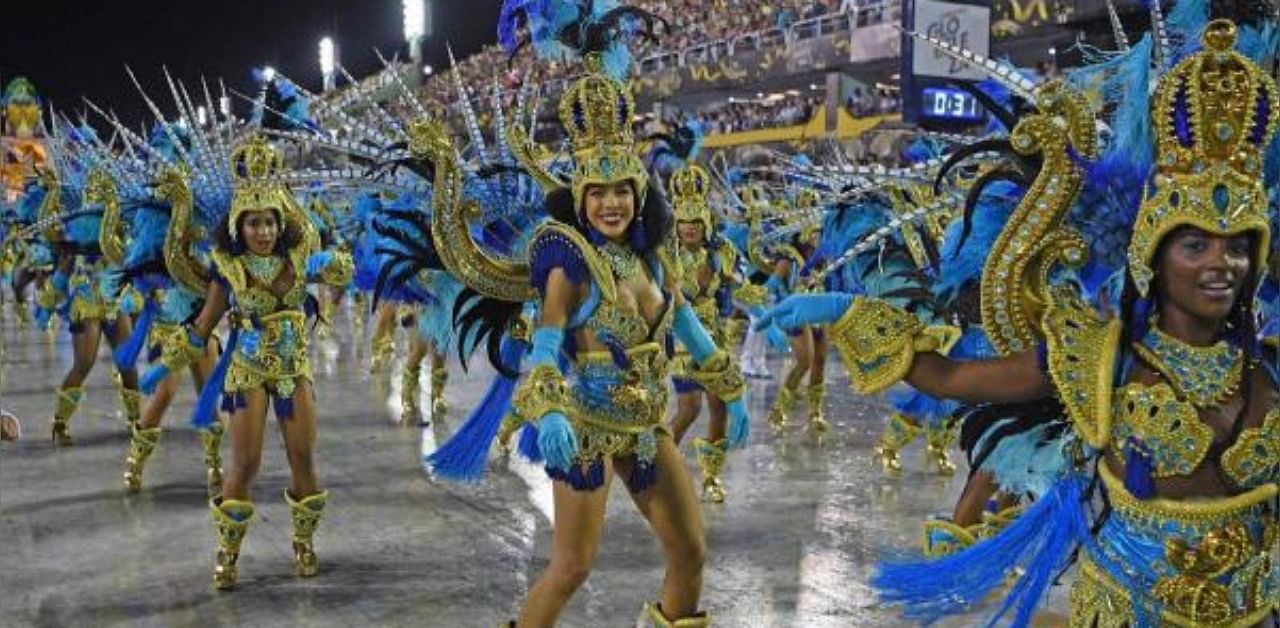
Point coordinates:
pixel 619 411
pixel 1161 562
pixel 271 352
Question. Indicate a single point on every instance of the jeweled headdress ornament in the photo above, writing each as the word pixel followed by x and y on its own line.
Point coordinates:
pixel 689 187
pixel 596 112
pixel 1215 114
pixel 257 166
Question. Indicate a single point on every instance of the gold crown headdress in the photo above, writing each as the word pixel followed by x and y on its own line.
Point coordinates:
pixel 596 112
pixel 1215 113
pixel 256 166
pixel 689 187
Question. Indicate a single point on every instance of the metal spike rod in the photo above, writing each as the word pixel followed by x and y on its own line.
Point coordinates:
pixel 1008 76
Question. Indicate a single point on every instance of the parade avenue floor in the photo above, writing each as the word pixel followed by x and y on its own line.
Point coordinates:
pixel 793 546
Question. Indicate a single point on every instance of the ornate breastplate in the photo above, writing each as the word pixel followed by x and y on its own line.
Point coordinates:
pixel 251 277
pixel 1174 437
pixel 1254 459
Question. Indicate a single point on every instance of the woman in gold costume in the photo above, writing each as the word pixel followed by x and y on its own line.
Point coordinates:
pixel 706 277
pixel 266 252
pixel 1167 411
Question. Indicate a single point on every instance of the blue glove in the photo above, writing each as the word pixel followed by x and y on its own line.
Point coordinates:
pixel 61 282
pixel 739 423
pixel 800 310
pixel 152 378
pixel 556 440
pixel 318 262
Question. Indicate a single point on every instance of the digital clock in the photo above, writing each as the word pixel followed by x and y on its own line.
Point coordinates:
pixel 950 104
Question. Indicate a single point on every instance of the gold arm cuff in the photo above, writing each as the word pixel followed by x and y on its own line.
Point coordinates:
pixel 751 294
pixel 878 343
pixel 720 375
pixel 542 391
pixel 339 271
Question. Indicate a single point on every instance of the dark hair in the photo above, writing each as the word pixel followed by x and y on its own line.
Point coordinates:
pixel 653 217
pixel 289 236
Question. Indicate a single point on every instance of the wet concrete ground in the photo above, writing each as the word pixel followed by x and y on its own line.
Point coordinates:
pixel 794 545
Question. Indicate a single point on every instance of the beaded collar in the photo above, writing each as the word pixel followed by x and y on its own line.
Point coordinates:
pixel 263 268
pixel 1203 376
pixel 621 258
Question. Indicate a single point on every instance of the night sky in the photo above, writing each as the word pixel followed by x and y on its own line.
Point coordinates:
pixel 71 49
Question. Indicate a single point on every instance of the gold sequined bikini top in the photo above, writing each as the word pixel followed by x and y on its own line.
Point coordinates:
pixel 1177 441
pixel 252 296
pixel 1082 351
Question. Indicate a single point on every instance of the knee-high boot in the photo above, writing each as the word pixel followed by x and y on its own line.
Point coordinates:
pixel 141 443
pixel 711 458
pixel 231 522
pixel 897 434
pixel 653 617
pixel 68 401
pixel 306 514
pixel 212 440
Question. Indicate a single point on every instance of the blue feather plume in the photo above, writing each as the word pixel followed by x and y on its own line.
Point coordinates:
pixel 462 458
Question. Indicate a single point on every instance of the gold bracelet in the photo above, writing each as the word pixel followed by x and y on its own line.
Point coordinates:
pixel 542 391
pixel 720 375
pixel 878 343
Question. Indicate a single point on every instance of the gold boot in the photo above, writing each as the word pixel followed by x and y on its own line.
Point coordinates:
pixel 897 434
pixel 68 401
pixel 939 439
pixel 410 383
pixel 384 351
pixel 653 617
pixel 131 402
pixel 324 328
pixel 711 459
pixel 781 407
pixel 817 417
pixel 944 538
pixel 230 521
pixel 141 443
pixel 439 377
pixel 212 439
pixel 306 516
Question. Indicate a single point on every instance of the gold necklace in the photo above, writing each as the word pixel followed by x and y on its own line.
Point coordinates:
pixel 622 260
pixel 263 268
pixel 1203 376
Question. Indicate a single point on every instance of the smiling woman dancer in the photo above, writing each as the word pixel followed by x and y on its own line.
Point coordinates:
pixel 602 291
pixel 1169 410
pixel 265 255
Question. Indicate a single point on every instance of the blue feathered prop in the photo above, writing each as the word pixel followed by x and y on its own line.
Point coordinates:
pixel 462 458
pixel 206 411
pixel 561 30
pixel 1040 543
pixel 126 355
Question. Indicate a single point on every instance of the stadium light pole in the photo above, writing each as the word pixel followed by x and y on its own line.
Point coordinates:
pixel 328 61
pixel 415 30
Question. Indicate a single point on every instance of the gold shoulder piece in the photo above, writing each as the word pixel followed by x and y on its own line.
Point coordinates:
pixel 230 269
pixel 596 264
pixel 182 265
pixel 99 189
pixel 531 157
pixel 51 206
pixel 1082 355
pixel 878 343
pixel 490 276
pixel 1014 294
